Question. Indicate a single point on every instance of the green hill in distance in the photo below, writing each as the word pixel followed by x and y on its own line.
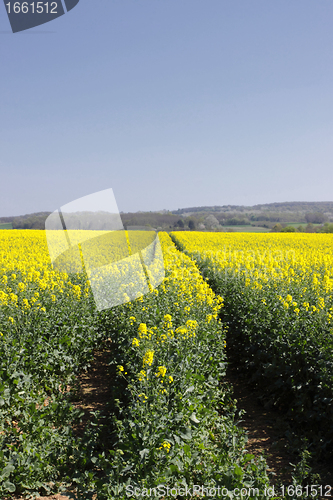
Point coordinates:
pixel 302 216
pixel 288 206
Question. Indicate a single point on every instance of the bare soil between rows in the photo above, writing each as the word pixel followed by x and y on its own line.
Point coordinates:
pixel 266 431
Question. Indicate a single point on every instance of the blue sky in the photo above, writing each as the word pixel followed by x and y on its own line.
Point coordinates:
pixel 172 103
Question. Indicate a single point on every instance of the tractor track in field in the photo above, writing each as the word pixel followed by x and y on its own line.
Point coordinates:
pixel 266 429
pixel 94 393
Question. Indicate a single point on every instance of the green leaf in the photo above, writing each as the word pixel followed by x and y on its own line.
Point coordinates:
pixel 144 453
pixel 7 470
pixel 126 469
pixel 187 450
pixel 9 486
pixel 194 418
pixel 189 389
pixel 186 433
pixel 238 471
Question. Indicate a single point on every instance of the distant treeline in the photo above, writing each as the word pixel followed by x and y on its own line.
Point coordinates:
pixel 309 228
pixel 29 221
pixel 234 219
pixel 291 206
pixel 149 219
pixel 153 219
pixel 215 218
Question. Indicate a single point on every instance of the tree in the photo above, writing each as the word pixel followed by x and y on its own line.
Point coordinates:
pixel 211 221
pixel 310 228
pixel 315 217
pixel 277 228
pixel 327 228
pixel 191 225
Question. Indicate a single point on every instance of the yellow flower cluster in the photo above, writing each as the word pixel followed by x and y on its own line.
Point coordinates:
pixel 143 396
pixel 28 282
pixel 148 358
pixel 190 296
pixel 161 371
pixel 188 331
pixel 280 262
pixel 132 320
pixel 142 375
pixel 166 446
pixel 167 321
pixel 192 290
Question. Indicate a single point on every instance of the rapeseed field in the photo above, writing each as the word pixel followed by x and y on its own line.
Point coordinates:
pixel 170 420
pixel 278 298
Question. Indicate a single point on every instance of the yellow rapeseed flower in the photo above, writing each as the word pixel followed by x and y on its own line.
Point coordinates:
pixel 166 446
pixel 148 358
pixel 161 371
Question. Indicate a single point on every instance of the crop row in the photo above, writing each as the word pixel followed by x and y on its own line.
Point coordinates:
pixel 278 296
pixel 47 336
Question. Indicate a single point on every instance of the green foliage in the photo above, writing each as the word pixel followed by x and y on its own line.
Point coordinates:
pixel 192 224
pixel 40 358
pixel 326 228
pixel 289 356
pixel 315 217
pixel 277 228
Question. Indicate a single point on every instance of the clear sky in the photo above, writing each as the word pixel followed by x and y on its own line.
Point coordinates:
pixel 172 103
